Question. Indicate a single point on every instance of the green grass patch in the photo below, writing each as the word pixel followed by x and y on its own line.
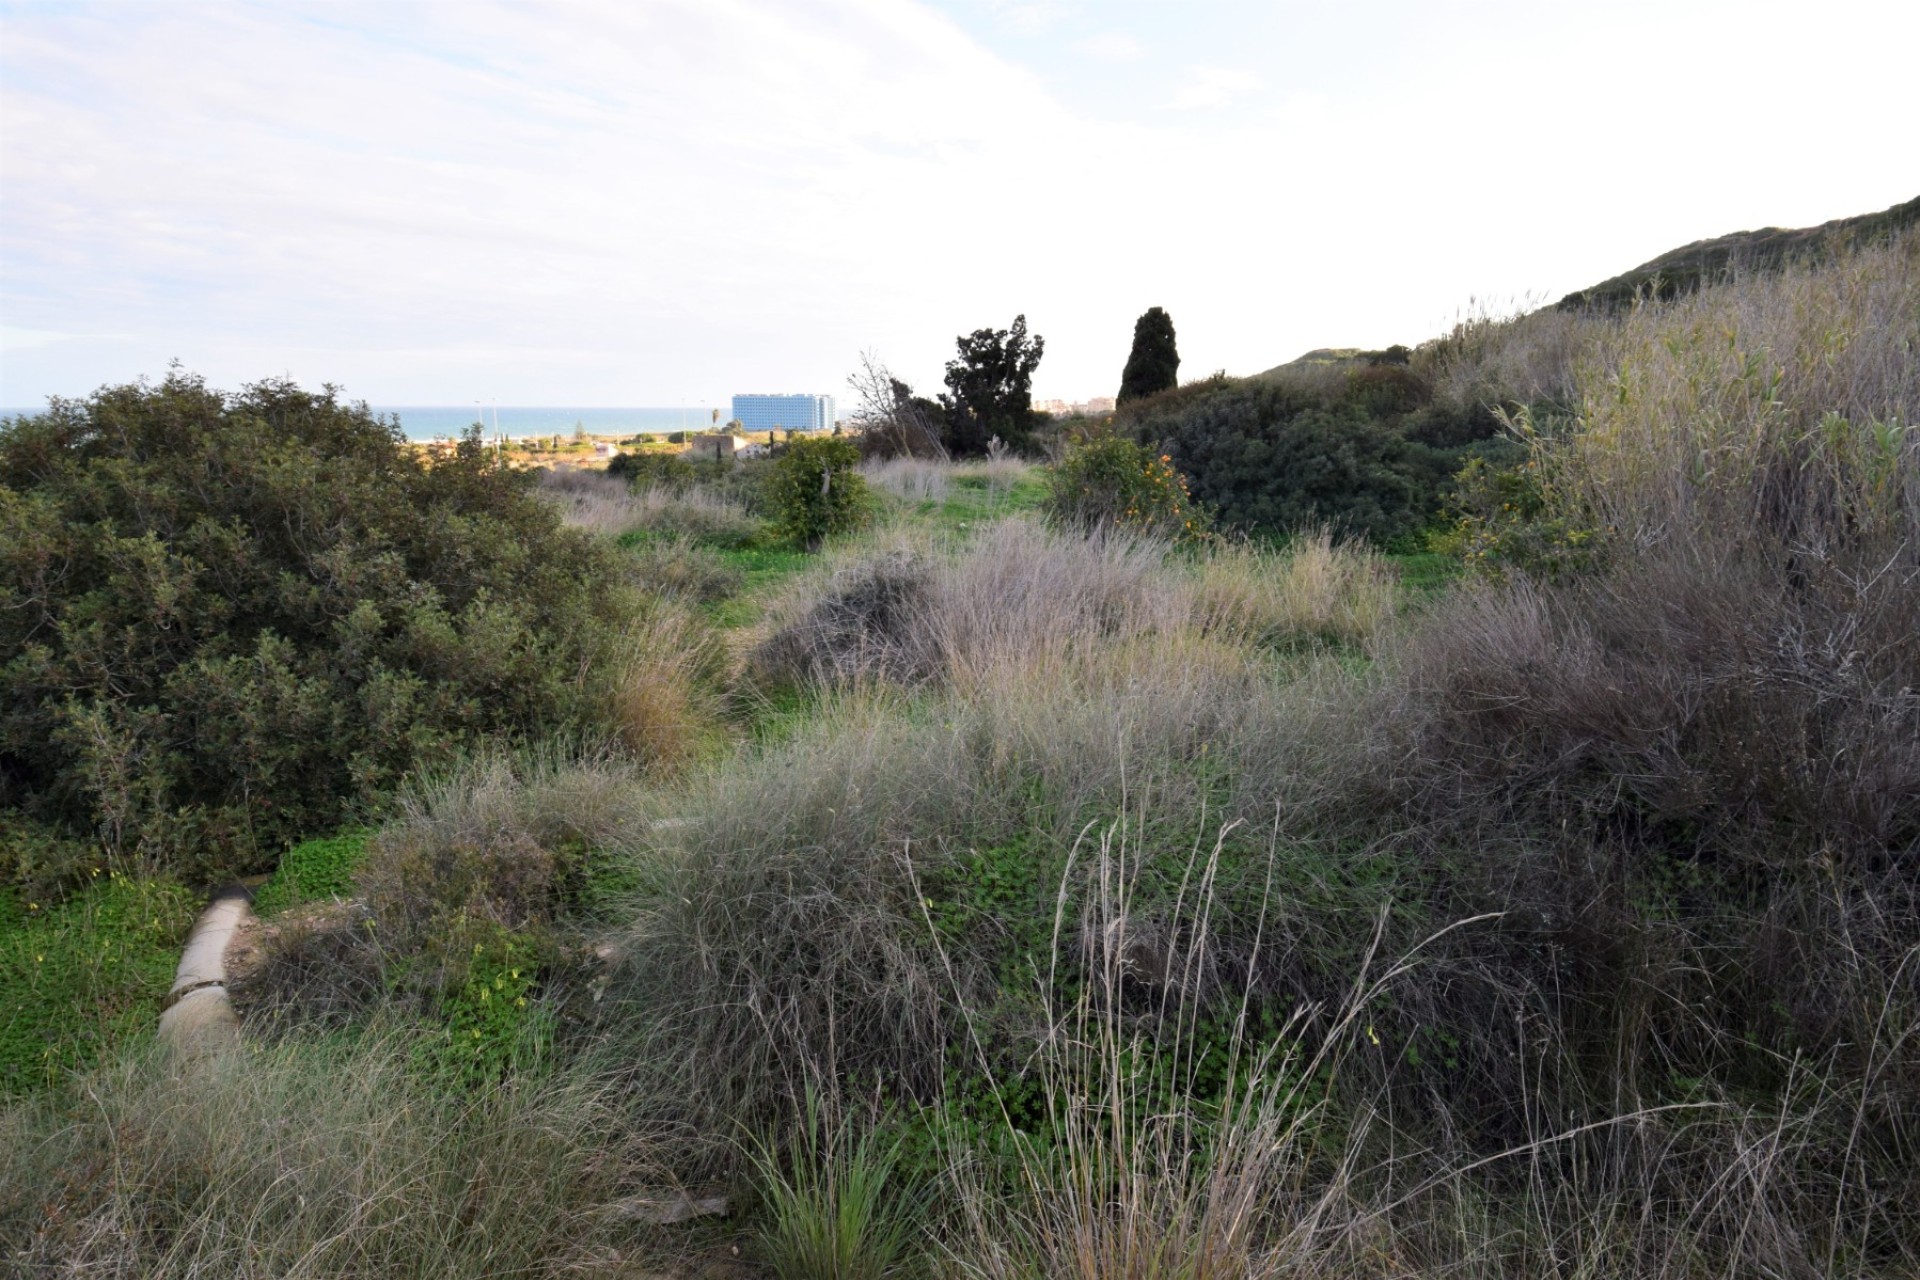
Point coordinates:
pixel 761 569
pixel 84 975
pixel 313 870
pixel 1423 573
pixel 972 500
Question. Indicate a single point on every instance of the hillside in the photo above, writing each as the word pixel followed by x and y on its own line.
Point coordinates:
pixel 1683 270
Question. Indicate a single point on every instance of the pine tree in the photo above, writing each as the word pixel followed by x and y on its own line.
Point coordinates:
pixel 1154 364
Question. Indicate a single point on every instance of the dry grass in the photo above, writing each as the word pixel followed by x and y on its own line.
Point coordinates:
pixel 606 505
pixel 297 1161
pixel 908 478
pixel 1022 597
pixel 1318 589
pixel 660 687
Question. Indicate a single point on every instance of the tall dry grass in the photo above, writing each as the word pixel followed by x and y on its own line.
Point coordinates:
pixel 307 1160
pixel 1022 597
pixel 608 506
pixel 909 478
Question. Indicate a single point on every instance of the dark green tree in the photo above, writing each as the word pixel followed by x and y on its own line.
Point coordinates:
pixel 990 389
pixel 1153 365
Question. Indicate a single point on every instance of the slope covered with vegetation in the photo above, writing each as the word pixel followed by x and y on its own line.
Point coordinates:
pixel 995 897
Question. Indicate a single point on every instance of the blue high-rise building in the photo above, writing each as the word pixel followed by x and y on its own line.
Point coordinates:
pixel 784 413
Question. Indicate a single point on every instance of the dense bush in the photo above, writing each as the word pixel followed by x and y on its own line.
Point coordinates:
pixel 1111 481
pixel 1361 446
pixel 225 617
pixel 666 470
pixel 815 489
pixel 1265 456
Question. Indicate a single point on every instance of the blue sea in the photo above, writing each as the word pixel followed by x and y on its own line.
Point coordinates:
pixel 433 421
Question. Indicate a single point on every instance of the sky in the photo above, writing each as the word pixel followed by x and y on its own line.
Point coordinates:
pixel 665 202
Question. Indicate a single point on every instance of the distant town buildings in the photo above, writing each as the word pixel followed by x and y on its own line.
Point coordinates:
pixel 1076 408
pixel 783 413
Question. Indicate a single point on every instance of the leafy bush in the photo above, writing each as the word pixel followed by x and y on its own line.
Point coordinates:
pixel 225 617
pixel 669 471
pixel 1265 455
pixel 815 490
pixel 1111 481
pixel 1507 523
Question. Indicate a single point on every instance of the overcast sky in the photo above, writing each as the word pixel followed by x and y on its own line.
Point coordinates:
pixel 649 202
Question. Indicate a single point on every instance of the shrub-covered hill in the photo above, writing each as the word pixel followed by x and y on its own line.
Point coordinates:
pixel 224 618
pixel 1684 270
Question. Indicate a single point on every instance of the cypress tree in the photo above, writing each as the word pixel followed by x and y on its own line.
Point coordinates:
pixel 1154 364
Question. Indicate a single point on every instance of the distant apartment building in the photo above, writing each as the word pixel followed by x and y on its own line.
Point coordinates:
pixel 783 413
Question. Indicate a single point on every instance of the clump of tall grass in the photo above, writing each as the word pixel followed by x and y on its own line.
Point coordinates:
pixel 1020 596
pixel 300 1160
pixel 909 478
pixel 680 567
pixel 1771 409
pixel 1316 589
pixel 659 685
pixel 607 505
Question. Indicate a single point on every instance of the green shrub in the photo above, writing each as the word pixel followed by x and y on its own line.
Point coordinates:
pixel 223 618
pixel 492 1026
pixel 1270 456
pixel 1507 522
pixel 1111 481
pixel 81 975
pixel 815 490
pixel 667 470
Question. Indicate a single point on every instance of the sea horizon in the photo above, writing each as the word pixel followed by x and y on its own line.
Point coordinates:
pixel 449 421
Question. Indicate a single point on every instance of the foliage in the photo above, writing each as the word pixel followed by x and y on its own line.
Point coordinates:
pixel 492 1028
pixel 1153 365
pixel 42 861
pixel 1506 523
pixel 1264 456
pixel 670 471
pixel 313 871
pixel 227 617
pixel 1111 481
pixel 84 974
pixel 816 490
pixel 990 389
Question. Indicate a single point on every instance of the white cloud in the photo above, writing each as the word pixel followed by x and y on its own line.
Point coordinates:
pixel 1209 87
pixel 598 202
pixel 1112 46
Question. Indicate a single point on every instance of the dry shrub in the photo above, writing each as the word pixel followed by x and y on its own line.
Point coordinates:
pixel 488 846
pixel 863 622
pixel 1522 358
pixel 1013 594
pixel 591 500
pixel 607 505
pixel 696 513
pixel 1761 411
